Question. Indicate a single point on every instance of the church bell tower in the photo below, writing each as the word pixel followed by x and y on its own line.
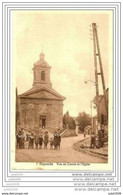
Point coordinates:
pixel 41 73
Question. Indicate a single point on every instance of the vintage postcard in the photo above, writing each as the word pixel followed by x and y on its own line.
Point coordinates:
pixel 62 62
pixel 61 96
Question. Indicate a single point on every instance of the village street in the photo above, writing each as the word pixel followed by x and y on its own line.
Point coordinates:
pixel 66 153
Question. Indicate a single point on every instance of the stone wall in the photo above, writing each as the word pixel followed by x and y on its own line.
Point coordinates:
pixel 32 109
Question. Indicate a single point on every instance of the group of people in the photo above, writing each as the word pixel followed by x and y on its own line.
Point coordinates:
pixel 38 140
pixel 97 140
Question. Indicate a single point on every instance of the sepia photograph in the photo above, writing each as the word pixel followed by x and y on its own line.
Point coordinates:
pixel 61 97
pixel 62 86
pixel 61 73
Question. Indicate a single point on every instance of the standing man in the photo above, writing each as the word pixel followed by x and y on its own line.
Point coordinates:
pixel 40 141
pixel 32 140
pixel 84 134
pixel 92 140
pixel 58 139
pixel 55 140
pixel 36 140
pixel 22 140
pixel 46 139
pixel 19 139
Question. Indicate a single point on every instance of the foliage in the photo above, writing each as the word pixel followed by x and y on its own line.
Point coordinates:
pixel 83 120
pixel 68 120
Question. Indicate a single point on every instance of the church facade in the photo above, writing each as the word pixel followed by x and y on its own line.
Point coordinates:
pixel 41 106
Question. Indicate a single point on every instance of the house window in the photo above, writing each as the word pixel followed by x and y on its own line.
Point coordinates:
pixel 43 75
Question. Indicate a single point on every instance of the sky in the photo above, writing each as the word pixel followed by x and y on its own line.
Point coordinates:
pixel 65 39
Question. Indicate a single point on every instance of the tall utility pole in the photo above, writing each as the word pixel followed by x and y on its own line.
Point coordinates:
pixel 98 70
pixel 91 115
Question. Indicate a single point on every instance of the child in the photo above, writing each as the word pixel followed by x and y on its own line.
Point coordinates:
pixel 51 143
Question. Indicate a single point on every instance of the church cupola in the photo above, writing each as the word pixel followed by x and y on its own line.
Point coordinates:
pixel 41 72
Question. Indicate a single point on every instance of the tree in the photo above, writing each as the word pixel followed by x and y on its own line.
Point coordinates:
pixel 69 120
pixel 66 118
pixel 83 120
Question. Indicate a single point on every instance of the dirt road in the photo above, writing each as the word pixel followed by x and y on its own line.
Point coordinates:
pixel 65 154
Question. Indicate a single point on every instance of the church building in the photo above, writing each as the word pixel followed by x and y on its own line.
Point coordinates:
pixel 41 106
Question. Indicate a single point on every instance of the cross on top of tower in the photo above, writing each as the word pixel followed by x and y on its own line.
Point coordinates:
pixel 42 56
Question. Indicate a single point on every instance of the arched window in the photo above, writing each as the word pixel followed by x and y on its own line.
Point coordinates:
pixel 43 75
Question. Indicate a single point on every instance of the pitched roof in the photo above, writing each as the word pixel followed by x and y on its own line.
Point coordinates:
pixel 38 89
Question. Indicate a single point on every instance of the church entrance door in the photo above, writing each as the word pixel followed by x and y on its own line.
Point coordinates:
pixel 43 121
